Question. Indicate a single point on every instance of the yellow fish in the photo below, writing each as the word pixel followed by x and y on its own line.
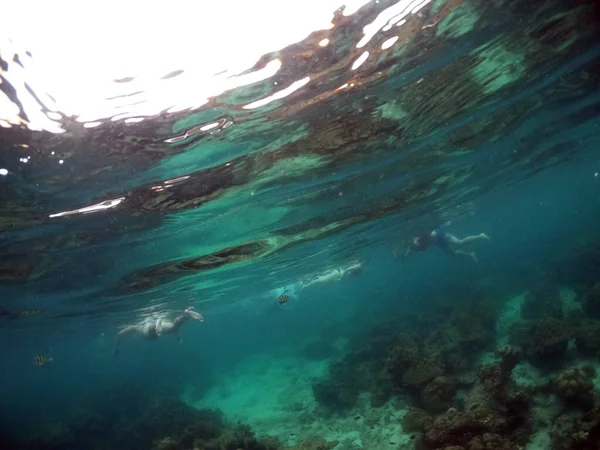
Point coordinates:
pixel 283 299
pixel 41 360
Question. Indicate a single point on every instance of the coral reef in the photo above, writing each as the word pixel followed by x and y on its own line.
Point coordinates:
pixel 575 385
pixel 458 429
pixel 590 301
pixel 427 361
pixel 541 302
pixel 416 420
pixel 490 441
pixel 574 431
pixel 438 394
pixel 491 387
pixel 138 422
pixel 544 342
pixel 422 371
pixel 360 370
pixel 561 432
pixel 404 354
pixel 336 393
pixel 587 339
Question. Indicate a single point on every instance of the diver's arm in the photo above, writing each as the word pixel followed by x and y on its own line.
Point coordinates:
pixel 120 334
pixel 309 283
pixel 173 327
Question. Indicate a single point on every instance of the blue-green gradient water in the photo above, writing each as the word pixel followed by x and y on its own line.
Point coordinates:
pixel 483 115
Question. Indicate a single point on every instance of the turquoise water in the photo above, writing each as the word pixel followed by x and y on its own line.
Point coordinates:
pixel 482 116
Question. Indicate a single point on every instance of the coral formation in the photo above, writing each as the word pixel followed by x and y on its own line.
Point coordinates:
pixel 587 339
pixel 491 386
pixel 426 363
pixel 491 441
pixel 421 372
pixel 438 394
pixel 335 394
pixel 457 430
pixel 591 301
pixel 403 355
pixel 546 342
pixel 541 302
pixel 561 432
pixel 575 385
pixel 360 370
pixel 136 422
pixel 416 420
pixel 577 431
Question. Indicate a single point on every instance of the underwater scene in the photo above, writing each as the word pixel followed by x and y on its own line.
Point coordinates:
pixel 300 225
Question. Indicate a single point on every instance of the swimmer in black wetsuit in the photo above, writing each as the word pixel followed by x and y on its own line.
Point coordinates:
pixel 443 240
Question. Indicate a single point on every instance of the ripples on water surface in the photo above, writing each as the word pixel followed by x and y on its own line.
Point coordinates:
pixel 159 157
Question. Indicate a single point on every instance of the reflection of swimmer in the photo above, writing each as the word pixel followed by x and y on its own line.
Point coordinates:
pixel 335 274
pixel 29 312
pixel 152 328
pixel 24 313
pixel 444 241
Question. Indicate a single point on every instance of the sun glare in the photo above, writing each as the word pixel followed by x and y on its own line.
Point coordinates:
pixel 176 55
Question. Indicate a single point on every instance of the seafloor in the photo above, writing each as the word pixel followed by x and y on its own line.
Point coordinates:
pixel 489 368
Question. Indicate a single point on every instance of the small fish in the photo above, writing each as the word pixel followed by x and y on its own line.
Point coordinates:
pixel 283 299
pixel 41 360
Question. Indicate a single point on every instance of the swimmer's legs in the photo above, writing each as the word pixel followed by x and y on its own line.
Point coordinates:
pixel 454 251
pixel 453 240
pixel 471 255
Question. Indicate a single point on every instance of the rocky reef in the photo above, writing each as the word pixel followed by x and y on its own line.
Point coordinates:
pixel 467 387
pixel 140 423
pixel 427 362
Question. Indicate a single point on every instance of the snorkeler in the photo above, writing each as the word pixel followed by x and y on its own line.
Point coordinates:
pixel 152 328
pixel 444 241
pixel 334 275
